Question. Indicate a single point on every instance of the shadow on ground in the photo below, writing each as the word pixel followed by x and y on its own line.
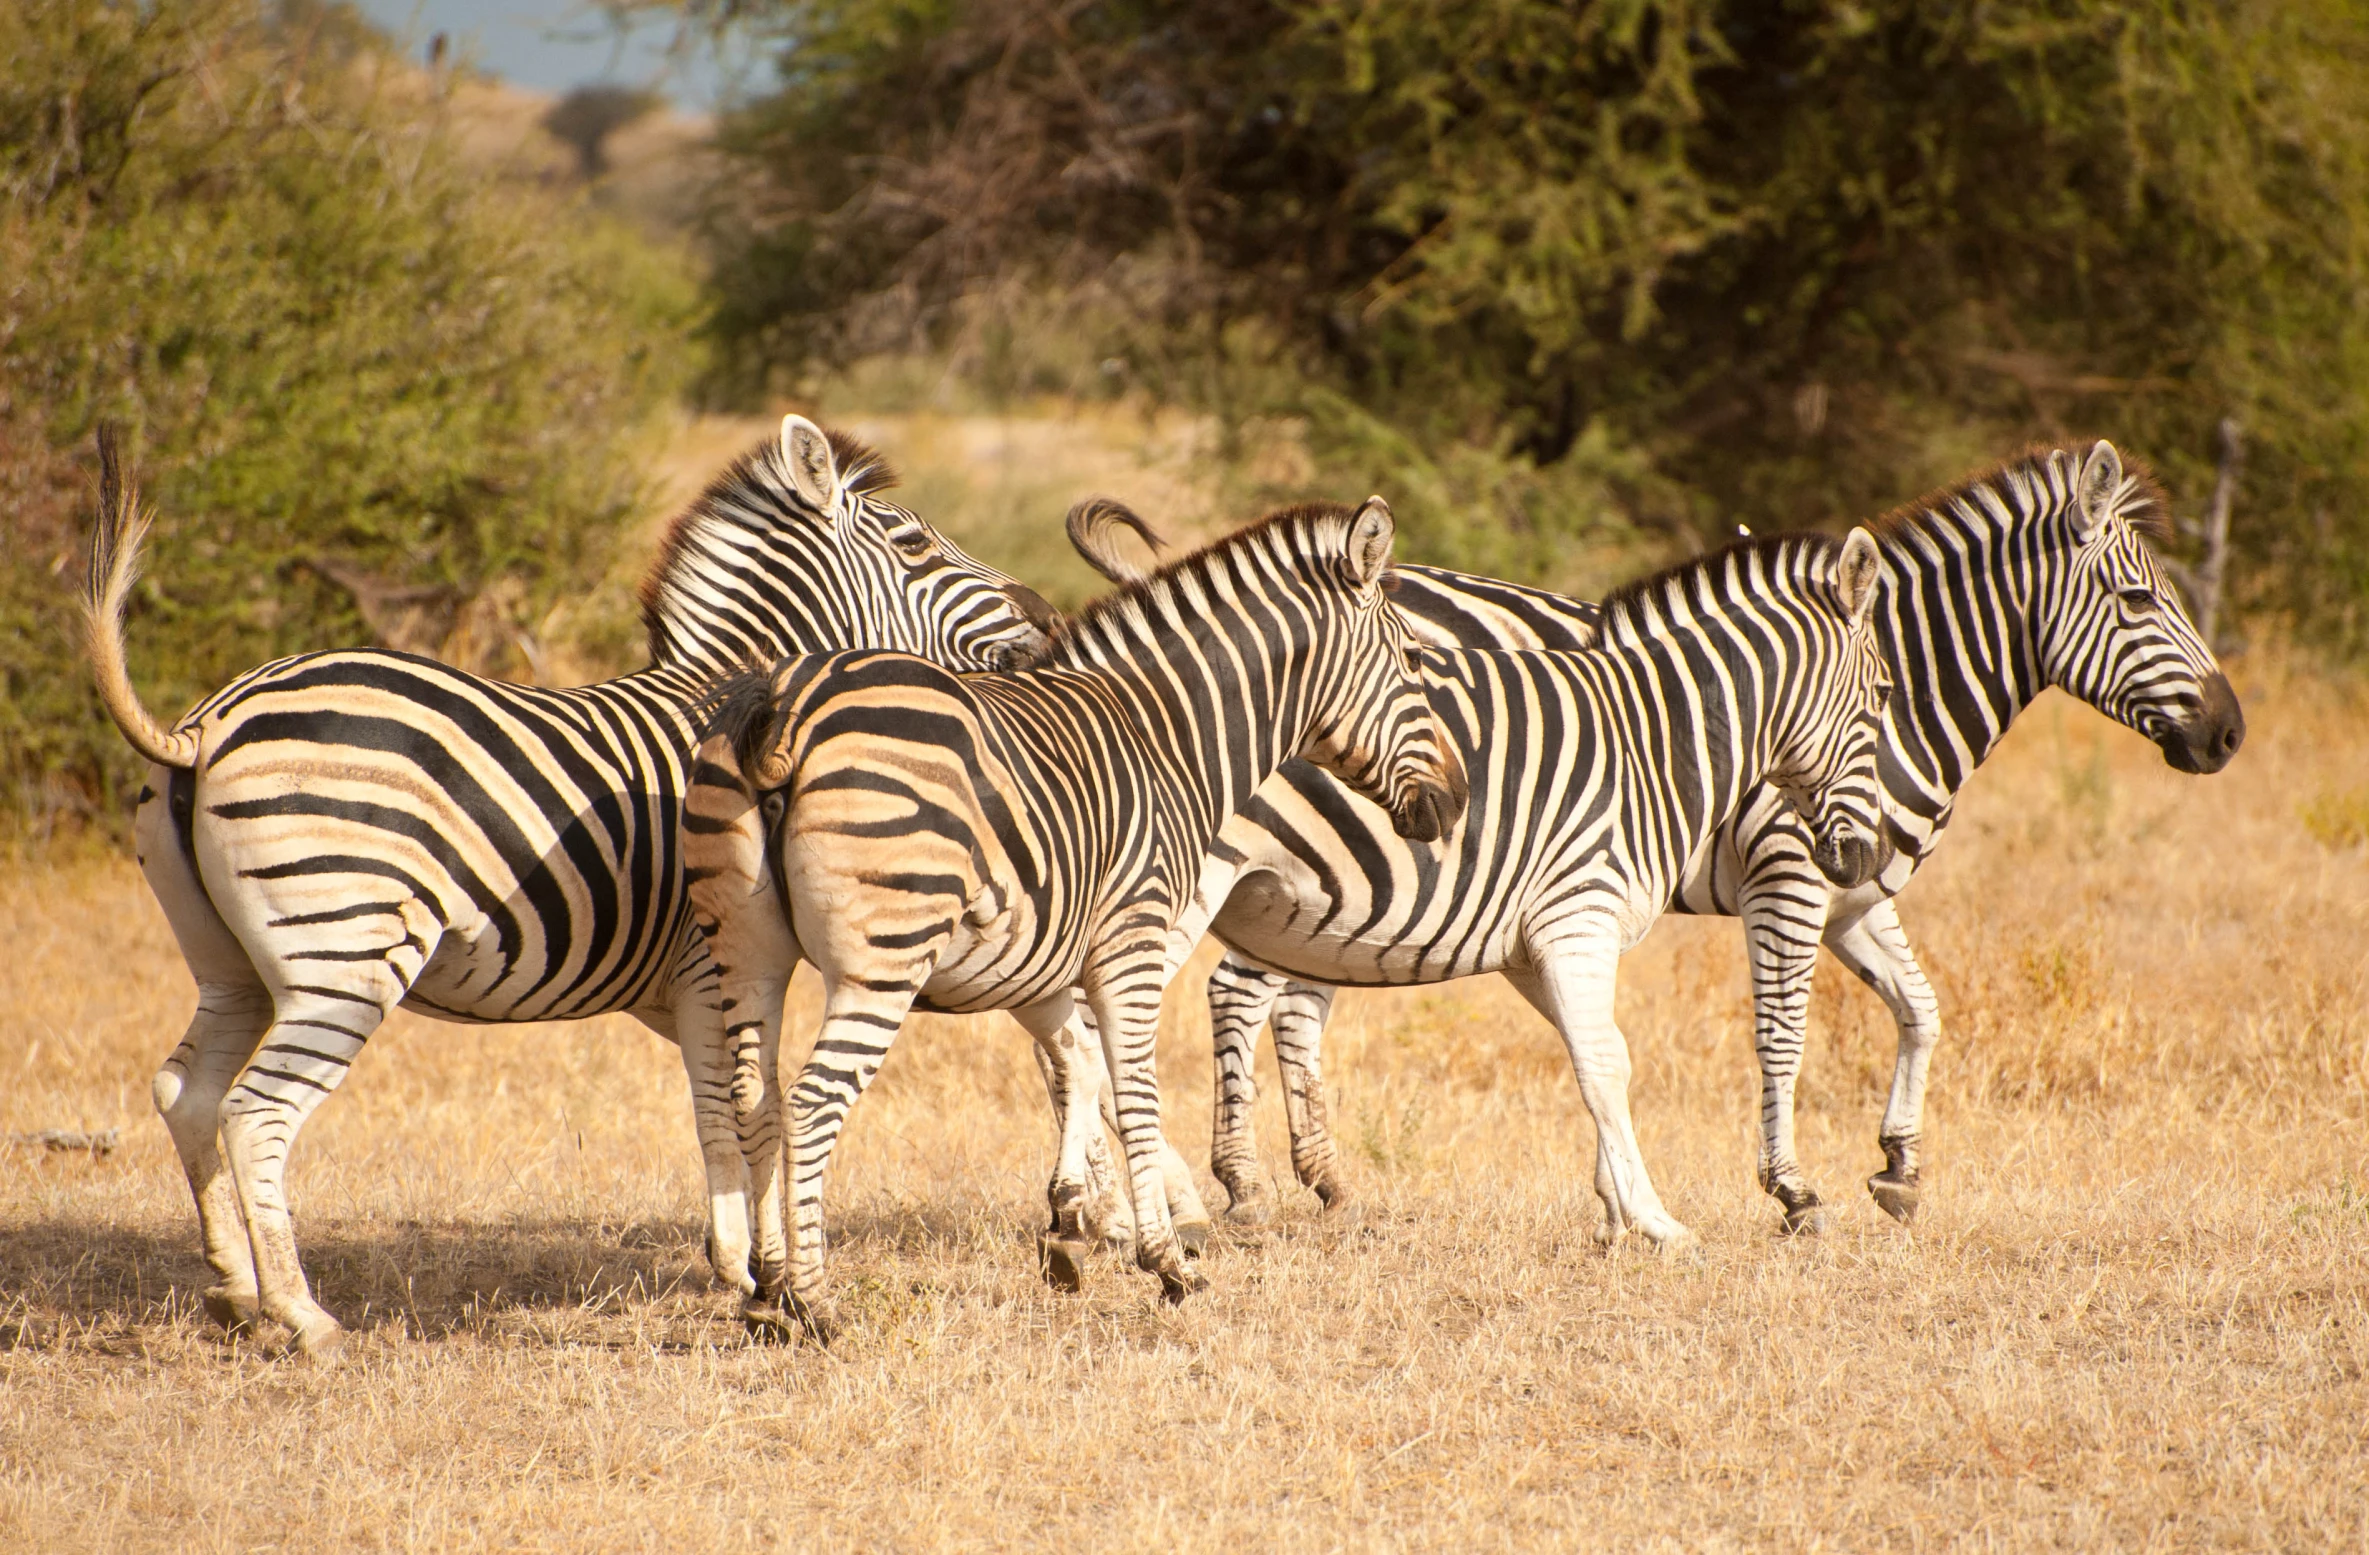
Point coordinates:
pixel 59 1278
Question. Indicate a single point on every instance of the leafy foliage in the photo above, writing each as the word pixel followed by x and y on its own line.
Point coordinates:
pixel 1669 263
pixel 364 380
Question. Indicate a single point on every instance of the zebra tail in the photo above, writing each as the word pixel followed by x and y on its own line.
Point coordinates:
pixel 742 710
pixel 107 585
pixel 1094 524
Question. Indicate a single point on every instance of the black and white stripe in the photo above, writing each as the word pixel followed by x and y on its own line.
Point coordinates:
pixel 2033 575
pixel 985 842
pixel 335 834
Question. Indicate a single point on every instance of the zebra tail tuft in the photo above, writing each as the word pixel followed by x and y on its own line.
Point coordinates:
pixel 1094 524
pixel 741 709
pixel 106 588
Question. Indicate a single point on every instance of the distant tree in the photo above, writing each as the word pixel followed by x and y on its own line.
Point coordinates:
pixel 589 115
pixel 355 369
pixel 1773 262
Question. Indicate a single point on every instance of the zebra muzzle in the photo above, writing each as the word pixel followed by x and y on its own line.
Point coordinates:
pixel 1847 856
pixel 1434 805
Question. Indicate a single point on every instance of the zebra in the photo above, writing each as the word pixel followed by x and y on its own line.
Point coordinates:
pixel 337 833
pixel 996 841
pixel 1596 777
pixel 2032 574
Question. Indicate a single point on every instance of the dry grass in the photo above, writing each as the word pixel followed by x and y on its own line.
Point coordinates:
pixel 2135 1313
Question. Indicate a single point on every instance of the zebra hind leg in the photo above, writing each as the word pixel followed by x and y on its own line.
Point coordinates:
pixel 233 1008
pixel 314 1037
pixel 862 1012
pixel 188 1092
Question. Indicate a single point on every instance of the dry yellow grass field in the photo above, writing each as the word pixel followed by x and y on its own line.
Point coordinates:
pixel 2134 1313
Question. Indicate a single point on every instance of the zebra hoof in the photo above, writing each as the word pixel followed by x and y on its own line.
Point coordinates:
pixel 766 1323
pixel 1192 1236
pixel 320 1345
pixel 1062 1260
pixel 1678 1244
pixel 1174 1287
pixel 234 1311
pixel 1808 1219
pixel 816 1317
pixel 1250 1209
pixel 1896 1197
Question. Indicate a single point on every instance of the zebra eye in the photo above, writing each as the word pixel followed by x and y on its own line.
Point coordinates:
pixel 912 544
pixel 2137 598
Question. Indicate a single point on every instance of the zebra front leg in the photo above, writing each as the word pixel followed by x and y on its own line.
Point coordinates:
pixel 1106 1218
pixel 1188 1217
pixel 1783 913
pixel 1240 996
pixel 1080 1212
pixel 1127 1013
pixel 1299 1018
pixel 1572 986
pixel 1876 947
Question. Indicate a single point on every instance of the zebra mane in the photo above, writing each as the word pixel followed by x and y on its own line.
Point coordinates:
pixel 1192 563
pixel 1629 604
pixel 2140 502
pixel 754 491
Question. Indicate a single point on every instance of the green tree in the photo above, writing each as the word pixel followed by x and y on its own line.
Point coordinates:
pixel 1602 263
pixel 356 370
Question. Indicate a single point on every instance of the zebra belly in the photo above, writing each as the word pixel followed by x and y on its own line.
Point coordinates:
pixel 1303 933
pixel 474 978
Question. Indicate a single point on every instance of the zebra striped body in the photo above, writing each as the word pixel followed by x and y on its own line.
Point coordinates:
pixel 1597 777
pixel 994 841
pixel 2031 576
pixel 335 834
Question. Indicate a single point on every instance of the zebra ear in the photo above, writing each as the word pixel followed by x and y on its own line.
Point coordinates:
pixel 1858 573
pixel 2094 490
pixel 1370 534
pixel 812 468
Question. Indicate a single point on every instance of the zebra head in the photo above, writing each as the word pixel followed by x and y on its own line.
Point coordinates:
pixel 2111 630
pixel 1372 725
pixel 794 550
pixel 1824 761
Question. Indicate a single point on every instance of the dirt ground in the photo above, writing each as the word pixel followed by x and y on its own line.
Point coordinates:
pixel 2134 1311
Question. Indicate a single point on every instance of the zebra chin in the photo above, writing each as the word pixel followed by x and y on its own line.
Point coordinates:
pixel 1848 856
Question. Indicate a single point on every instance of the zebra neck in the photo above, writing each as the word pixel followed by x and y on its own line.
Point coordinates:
pixel 1956 627
pixel 704 650
pixel 1714 698
pixel 1226 706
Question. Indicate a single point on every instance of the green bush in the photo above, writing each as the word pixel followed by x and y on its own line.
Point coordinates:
pixel 1661 265
pixel 359 374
